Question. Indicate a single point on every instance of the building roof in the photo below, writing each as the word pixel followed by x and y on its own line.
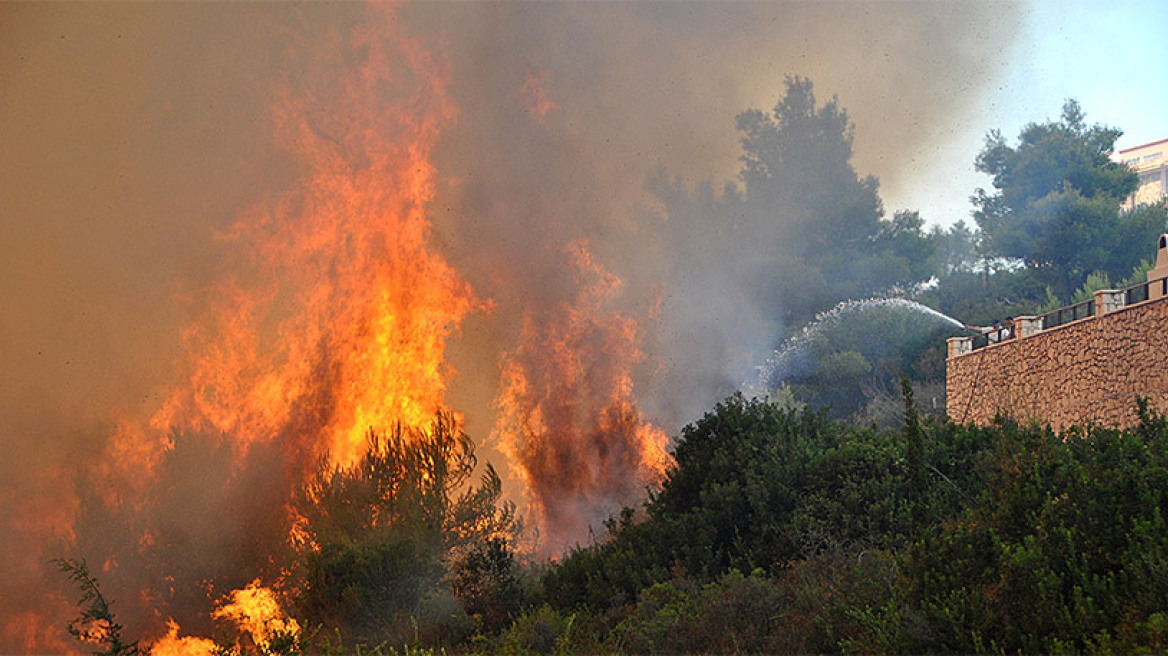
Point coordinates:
pixel 1142 146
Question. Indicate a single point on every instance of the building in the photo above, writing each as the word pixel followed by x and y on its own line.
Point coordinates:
pixel 1151 163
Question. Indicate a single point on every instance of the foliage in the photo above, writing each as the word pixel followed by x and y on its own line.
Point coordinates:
pixel 391 540
pixel 981 297
pixel 932 538
pixel 802 226
pixel 541 631
pixel 734 614
pixel 851 361
pixel 939 538
pixel 484 578
pixel 916 466
pixel 373 589
pixel 758 487
pixel 96 623
pixel 1066 549
pixel 409 484
pixel 956 248
pixel 1057 203
pixel 1094 282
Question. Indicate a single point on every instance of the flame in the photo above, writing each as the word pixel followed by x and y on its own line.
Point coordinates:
pixel 332 316
pixel 172 645
pixel 337 311
pixel 333 310
pixel 255 610
pixel 568 419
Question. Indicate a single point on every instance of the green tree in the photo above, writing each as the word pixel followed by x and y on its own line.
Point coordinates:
pixel 380 535
pixel 803 230
pixel 804 202
pixel 1057 203
pixel 956 248
pixel 484 578
pixel 916 465
pixel 799 231
pixel 410 483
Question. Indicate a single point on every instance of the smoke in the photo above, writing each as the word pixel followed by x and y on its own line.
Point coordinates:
pixel 567 417
pixel 137 136
pixel 630 88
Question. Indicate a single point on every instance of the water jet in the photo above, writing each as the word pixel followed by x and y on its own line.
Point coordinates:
pixel 792 358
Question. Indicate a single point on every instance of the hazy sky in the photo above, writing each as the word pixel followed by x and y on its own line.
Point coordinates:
pixel 1107 55
pixel 132 132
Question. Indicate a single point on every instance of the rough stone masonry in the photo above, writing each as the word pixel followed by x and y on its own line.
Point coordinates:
pixel 1086 371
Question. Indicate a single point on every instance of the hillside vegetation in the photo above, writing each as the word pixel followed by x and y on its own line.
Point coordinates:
pixel 784 532
pixel 778 531
pixel 830 516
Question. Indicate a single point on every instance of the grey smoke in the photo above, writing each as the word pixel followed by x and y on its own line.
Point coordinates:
pixel 133 132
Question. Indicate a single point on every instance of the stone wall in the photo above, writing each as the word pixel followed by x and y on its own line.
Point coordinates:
pixel 1087 371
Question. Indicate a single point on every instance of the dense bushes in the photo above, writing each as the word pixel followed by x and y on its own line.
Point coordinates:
pixel 759 487
pixel 1067 548
pixel 1019 540
pixel 776 532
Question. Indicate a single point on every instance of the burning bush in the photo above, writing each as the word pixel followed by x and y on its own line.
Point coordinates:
pixel 377 539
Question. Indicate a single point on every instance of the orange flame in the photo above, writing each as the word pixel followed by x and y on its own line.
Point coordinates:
pixel 255 610
pixel 172 645
pixel 334 310
pixel 334 317
pixel 568 420
pixel 337 312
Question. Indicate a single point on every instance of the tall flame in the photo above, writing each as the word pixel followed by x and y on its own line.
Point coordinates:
pixel 334 310
pixel 332 316
pixel 568 420
pixel 337 311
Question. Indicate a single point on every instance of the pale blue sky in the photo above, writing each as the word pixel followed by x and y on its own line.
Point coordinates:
pixel 1110 56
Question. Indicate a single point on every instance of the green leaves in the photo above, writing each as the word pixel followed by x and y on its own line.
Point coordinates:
pixel 937 538
pixel 803 230
pixel 1057 203
pixel 409 484
pixel 385 537
pixel 1066 541
pixel 757 487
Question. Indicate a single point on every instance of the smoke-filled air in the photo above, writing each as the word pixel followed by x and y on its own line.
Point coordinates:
pixel 258 253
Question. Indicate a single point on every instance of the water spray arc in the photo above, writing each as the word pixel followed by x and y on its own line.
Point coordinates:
pixel 792 357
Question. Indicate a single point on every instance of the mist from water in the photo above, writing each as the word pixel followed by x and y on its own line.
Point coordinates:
pixel 793 358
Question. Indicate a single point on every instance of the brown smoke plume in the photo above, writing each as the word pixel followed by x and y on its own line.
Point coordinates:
pixel 568 416
pixel 236 234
